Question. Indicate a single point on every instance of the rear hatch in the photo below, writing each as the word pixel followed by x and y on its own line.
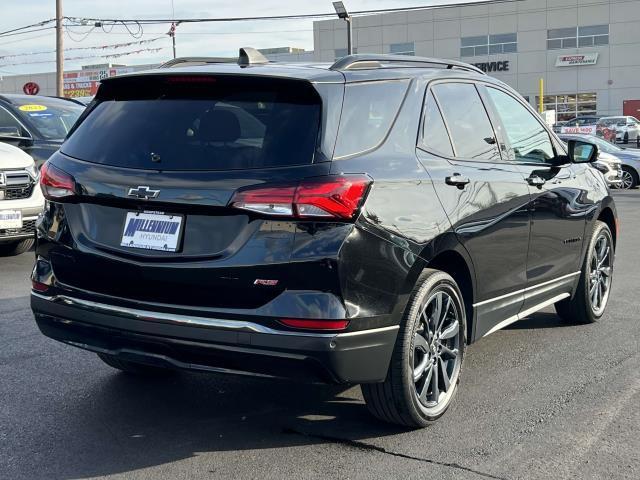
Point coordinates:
pixel 156 167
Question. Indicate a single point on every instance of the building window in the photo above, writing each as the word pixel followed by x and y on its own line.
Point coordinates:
pixel 573 37
pixel 570 105
pixel 489 45
pixel 342 52
pixel 402 48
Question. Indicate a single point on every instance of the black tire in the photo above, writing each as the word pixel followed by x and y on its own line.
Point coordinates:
pixel 632 175
pixel 16 248
pixel 580 309
pixel 397 399
pixel 135 368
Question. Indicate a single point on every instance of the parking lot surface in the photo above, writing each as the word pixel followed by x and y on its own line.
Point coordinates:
pixel 540 399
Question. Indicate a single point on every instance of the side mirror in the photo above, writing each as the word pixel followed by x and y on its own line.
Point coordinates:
pixel 582 152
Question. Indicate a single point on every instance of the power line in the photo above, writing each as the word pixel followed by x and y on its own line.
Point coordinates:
pixel 25 32
pixel 85 20
pixel 39 24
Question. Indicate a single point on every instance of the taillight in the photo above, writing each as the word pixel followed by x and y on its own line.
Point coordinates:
pixel 315 324
pixel 323 197
pixel 55 183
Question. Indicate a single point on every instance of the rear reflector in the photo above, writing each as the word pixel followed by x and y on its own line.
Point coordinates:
pixel 39 286
pixel 55 183
pixel 331 197
pixel 315 324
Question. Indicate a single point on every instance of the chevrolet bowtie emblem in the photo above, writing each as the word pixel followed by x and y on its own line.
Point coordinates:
pixel 143 192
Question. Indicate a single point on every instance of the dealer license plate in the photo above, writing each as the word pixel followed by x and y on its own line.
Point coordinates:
pixel 152 231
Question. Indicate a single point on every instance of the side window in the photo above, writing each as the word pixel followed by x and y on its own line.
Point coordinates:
pixel 368 111
pixel 435 137
pixel 7 120
pixel 471 132
pixel 529 140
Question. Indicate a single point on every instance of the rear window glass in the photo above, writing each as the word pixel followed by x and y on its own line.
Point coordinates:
pixel 52 117
pixel 368 111
pixel 200 123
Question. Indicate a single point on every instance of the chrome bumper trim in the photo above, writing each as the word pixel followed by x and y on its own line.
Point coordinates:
pixel 190 320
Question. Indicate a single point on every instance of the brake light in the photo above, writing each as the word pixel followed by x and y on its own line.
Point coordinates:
pixel 315 324
pixel 324 197
pixel 56 183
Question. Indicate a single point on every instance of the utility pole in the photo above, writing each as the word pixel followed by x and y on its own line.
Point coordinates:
pixel 172 34
pixel 59 51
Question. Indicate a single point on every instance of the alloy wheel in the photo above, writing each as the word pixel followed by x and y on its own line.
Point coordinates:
pixel 627 179
pixel 436 352
pixel 601 269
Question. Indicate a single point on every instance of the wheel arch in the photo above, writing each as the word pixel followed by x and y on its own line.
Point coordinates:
pixel 446 253
pixel 607 216
pixel 459 267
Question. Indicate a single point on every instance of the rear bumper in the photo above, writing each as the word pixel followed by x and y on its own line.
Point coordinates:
pixel 212 344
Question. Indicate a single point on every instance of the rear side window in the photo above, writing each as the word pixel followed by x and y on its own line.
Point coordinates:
pixel 200 123
pixel 434 134
pixel 368 112
pixel 471 132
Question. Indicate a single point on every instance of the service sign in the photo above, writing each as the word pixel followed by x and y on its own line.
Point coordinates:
pixel 576 60
pixel 585 130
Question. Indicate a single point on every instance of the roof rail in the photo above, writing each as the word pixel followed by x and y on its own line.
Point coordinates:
pixel 368 61
pixel 195 61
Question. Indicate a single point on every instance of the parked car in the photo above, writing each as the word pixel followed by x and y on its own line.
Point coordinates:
pixel 21 200
pixel 627 127
pixel 383 218
pixel 584 125
pixel 608 164
pixel 37 124
pixel 630 158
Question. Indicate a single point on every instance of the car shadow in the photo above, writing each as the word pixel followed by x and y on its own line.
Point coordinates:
pixel 121 423
pixel 98 421
pixel 538 321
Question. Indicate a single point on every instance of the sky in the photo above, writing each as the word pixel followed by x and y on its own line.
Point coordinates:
pixel 214 39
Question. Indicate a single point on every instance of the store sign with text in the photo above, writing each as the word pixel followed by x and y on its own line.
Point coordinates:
pixel 576 60
pixel 85 83
pixel 584 130
pixel 498 66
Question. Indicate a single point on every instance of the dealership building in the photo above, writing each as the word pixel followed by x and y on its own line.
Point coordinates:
pixel 587 52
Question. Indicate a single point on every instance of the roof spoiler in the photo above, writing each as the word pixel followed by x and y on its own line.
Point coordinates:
pixel 251 56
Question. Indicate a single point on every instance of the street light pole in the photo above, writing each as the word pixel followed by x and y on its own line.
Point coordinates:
pixel 342 13
pixel 59 51
pixel 349 36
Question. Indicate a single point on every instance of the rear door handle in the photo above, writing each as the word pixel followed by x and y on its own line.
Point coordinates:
pixel 457 180
pixel 536 181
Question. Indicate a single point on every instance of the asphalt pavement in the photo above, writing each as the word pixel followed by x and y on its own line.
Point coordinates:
pixel 540 399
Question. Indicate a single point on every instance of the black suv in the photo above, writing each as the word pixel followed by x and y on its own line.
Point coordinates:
pixel 360 222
